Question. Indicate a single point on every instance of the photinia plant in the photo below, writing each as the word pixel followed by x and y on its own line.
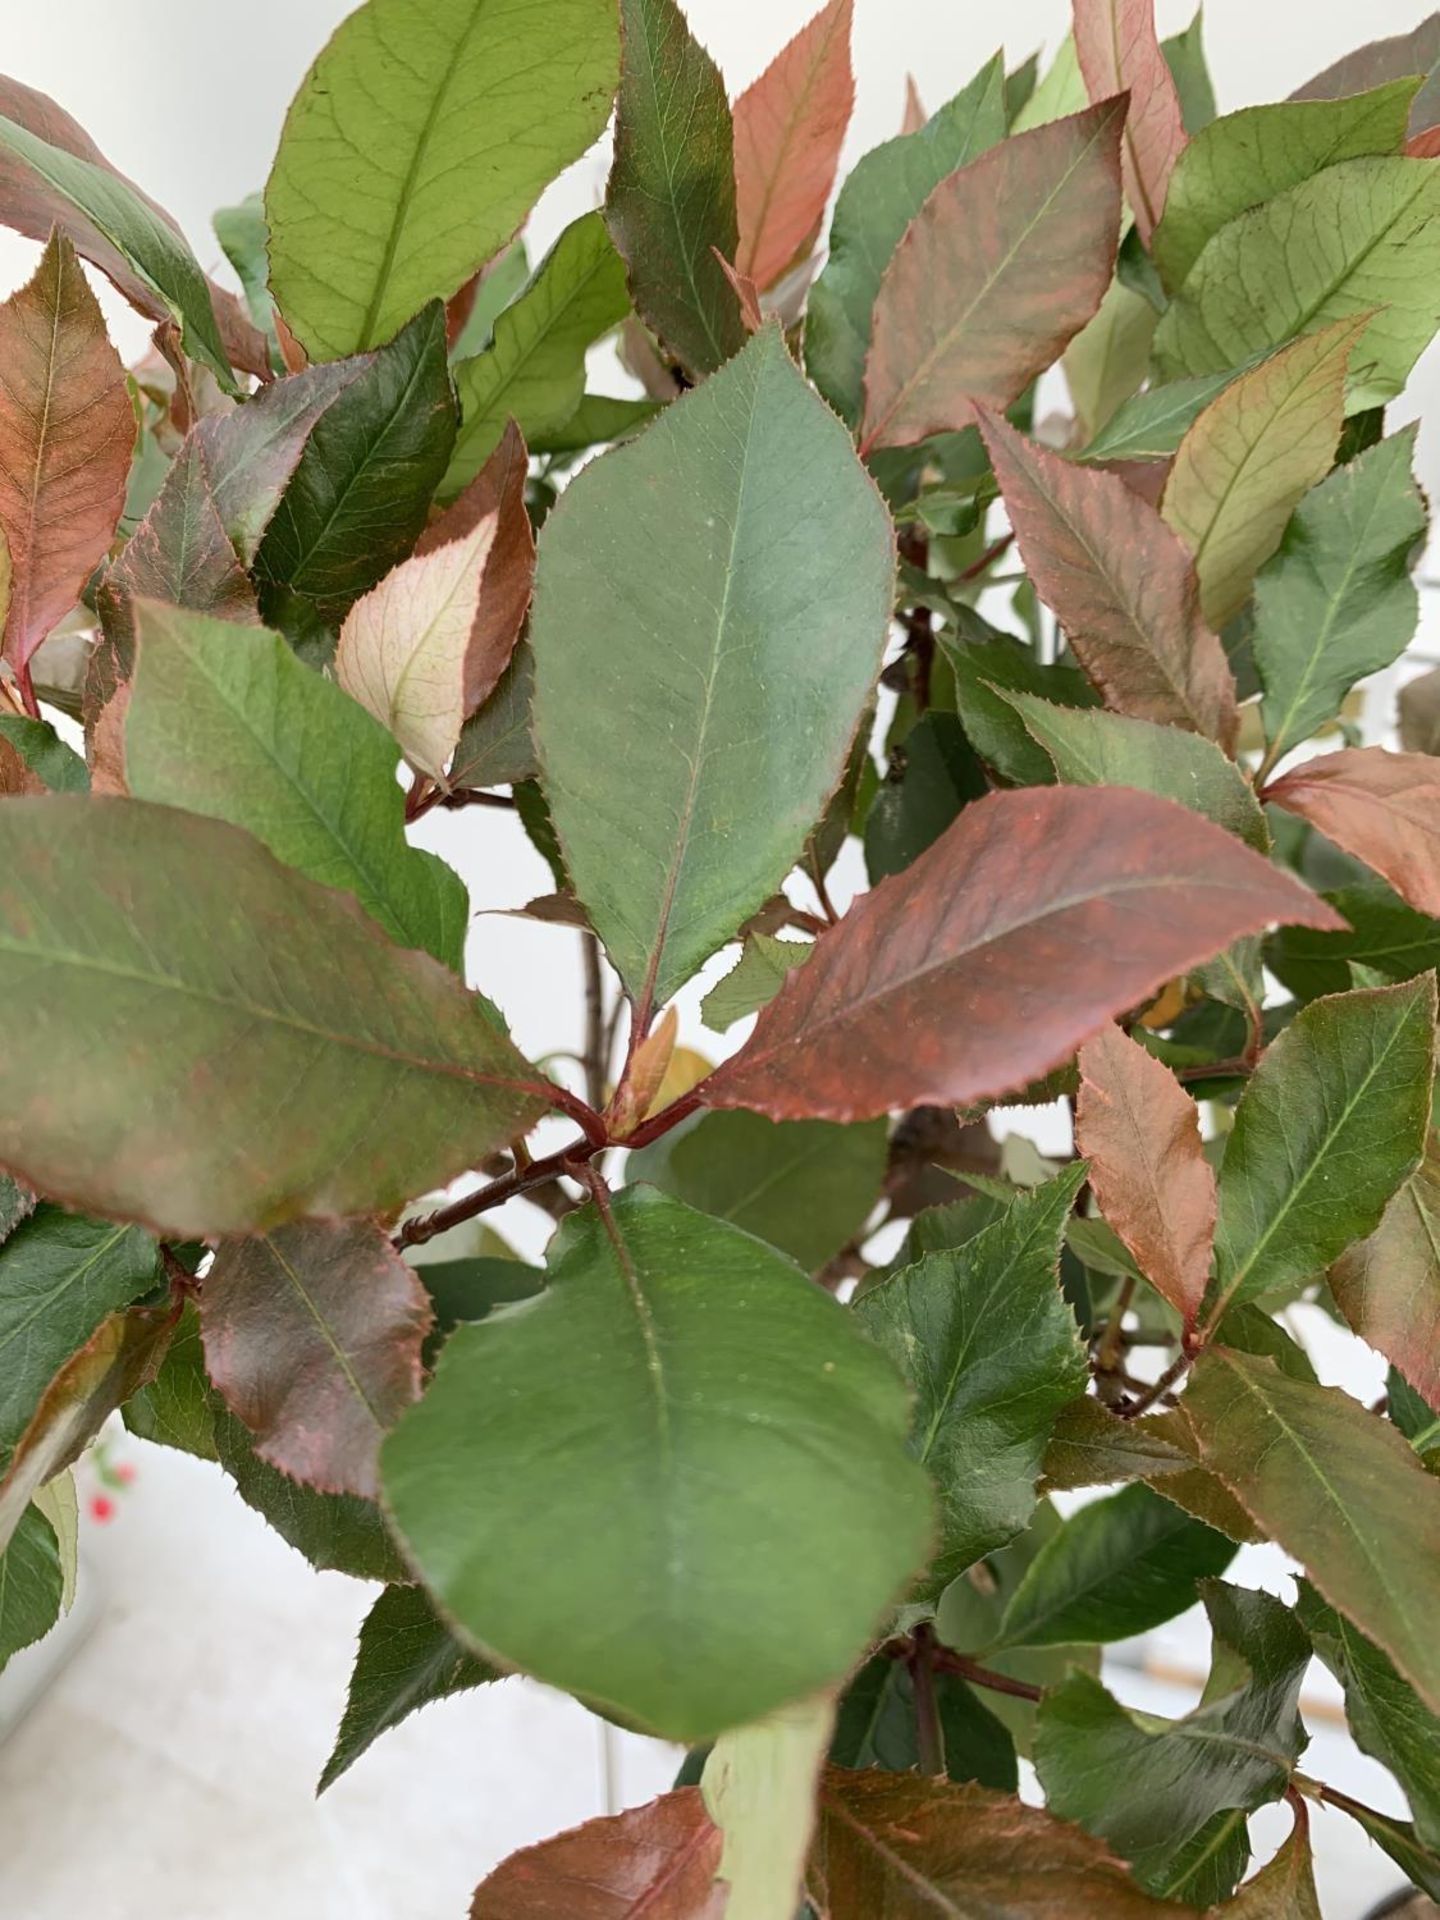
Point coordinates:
pixel 762 1459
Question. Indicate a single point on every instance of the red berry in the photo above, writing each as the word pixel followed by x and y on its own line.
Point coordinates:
pixel 125 1472
pixel 102 1507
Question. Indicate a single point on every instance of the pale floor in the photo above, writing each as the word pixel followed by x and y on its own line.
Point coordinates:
pixel 168 1771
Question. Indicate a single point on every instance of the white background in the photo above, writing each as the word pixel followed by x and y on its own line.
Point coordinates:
pixel 169 1771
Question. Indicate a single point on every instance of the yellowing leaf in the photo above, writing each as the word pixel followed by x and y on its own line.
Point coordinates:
pixel 403 647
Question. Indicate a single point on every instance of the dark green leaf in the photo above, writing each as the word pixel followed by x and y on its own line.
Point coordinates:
pixel 1400 1841
pixel 1385 936
pixel 1146 1785
pixel 933 773
pixel 1386 1718
pixel 990 1349
pixel 1206 1868
pixel 407 1657
pixel 1116 1568
pixel 215 1043
pixel 877 202
pixel 687 658
pixel 45 753
pixel 994 664
pixel 334 1531
pixel 358 498
pixel 1094 749
pixel 597 421
pixel 1336 602
pixel 743 1443
pixel 534 370
pixel 670 205
pixel 32 1584
pixel 61 1276
pixel 225 721
pixel 1338 1488
pixel 1250 156
pixel 875 1727
pixel 417 144
pixel 1332 1122
pixel 805 1186
pixel 495 748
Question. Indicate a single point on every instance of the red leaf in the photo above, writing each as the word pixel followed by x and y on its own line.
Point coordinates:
pixel 657 1862
pixel 16 776
pixel 31 206
pixel 1140 1132
pixel 1031 921
pixel 901 1846
pixel 66 434
pixel 313 1336
pixel 915 115
pixel 1388 1287
pixel 746 292
pixel 1002 266
pixel 1119 51
pixel 1121 584
pixel 1425 146
pixel 1382 807
pixel 509 576
pixel 789 127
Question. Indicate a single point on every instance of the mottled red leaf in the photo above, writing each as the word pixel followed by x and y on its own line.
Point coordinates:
pixel 1037 916
pixel 1388 1287
pixel 31 206
pixel 1121 584
pixel 180 553
pixel 1424 146
pixel 313 1336
pixel 899 1846
pixel 1119 51
pixel 1285 1889
pixel 656 1861
pixel 746 292
pixel 1002 266
pixel 509 576
pixel 1140 1132
pixel 789 127
pixel 15 775
pixel 1382 807
pixel 67 430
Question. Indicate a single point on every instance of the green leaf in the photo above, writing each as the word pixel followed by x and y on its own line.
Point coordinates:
pixel 1338 1488
pixel 419 141
pixel 61 1276
pixel 534 369
pixel 359 496
pixel 1360 237
pixel 934 772
pixel 1117 1567
pixel 1108 358
pixel 758 1784
pixel 1387 1720
pixel 598 421
pixel 1060 90
pixel 45 753
pixel 1385 936
pixel 224 721
pixel 1147 1785
pixel 244 239
pixel 498 284
pixel 1332 1122
pixel 1251 457
pixel 1248 157
pixel 1152 425
pixel 177 1409
pixel 1185 55
pixel 215 1043
pixel 712 1370
pixel 877 202
pixel 990 1349
pixel 670 204
pixel 336 1532
pixel 875 1727
pixel 407 1657
pixel 32 1584
pixel 1399 1839
pixel 16 1203
pixel 754 980
pixel 1205 1869
pixel 150 245
pixel 1337 601
pixel 804 1186
pixel 1094 749
pixel 741 663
